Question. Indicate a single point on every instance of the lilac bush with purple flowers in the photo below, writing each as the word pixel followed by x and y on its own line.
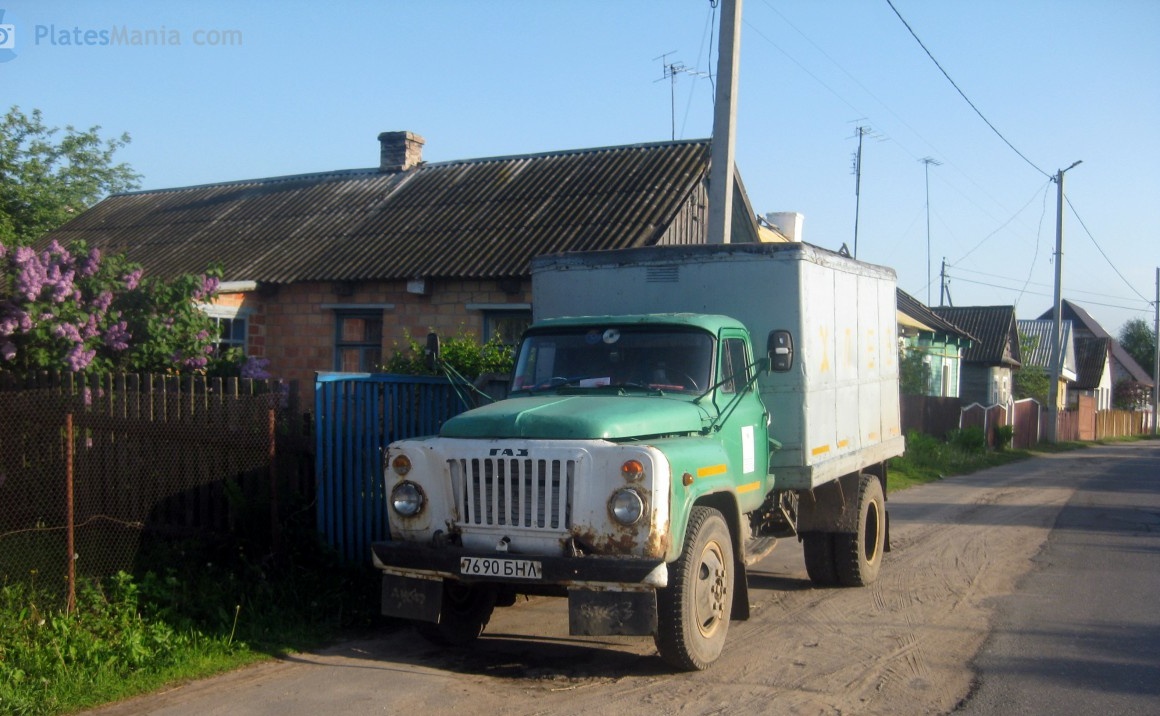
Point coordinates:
pixel 74 310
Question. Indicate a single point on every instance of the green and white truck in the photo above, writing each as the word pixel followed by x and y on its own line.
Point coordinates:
pixel 673 411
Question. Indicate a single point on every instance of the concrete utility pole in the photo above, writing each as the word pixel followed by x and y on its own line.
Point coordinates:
pixel 724 124
pixel 1057 311
pixel 927 161
pixel 1156 358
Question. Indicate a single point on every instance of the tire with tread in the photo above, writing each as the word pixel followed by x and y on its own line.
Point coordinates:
pixel 858 555
pixel 820 562
pixel 693 612
pixel 466 609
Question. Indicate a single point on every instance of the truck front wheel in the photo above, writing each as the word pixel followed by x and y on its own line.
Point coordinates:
pixel 693 611
pixel 858 556
pixel 466 609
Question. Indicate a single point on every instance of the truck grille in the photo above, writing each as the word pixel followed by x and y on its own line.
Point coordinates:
pixel 514 492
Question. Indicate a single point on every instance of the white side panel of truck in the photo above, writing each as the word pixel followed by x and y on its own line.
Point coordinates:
pixel 836 411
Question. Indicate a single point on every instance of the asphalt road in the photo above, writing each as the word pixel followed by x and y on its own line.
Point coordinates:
pixel 1081 634
pixel 1030 588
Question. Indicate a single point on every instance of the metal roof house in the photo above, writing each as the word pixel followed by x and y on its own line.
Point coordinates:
pixel 987 364
pixel 1039 333
pixel 1122 365
pixel 329 271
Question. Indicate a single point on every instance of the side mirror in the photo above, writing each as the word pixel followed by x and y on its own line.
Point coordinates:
pixel 432 351
pixel 780 349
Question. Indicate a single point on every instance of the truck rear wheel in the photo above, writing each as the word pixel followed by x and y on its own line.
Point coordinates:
pixel 820 562
pixel 858 556
pixel 693 612
pixel 466 609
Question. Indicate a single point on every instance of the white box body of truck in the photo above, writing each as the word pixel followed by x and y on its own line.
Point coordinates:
pixel 836 411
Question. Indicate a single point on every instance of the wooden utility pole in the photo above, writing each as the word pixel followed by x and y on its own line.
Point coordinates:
pixel 724 124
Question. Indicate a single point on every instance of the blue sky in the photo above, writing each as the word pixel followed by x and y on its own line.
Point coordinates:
pixel 259 89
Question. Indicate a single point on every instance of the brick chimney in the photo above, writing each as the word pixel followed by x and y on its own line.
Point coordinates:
pixel 400 151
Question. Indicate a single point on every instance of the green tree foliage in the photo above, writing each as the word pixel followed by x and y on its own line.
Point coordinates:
pixel 463 352
pixel 72 310
pixel 1138 339
pixel 913 374
pixel 1129 395
pixel 1031 381
pixel 48 176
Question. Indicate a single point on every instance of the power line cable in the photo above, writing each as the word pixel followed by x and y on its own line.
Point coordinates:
pixel 1048 295
pixel 893 140
pixel 960 269
pixel 960 91
pixel 1101 250
pixel 1005 223
pixel 1034 256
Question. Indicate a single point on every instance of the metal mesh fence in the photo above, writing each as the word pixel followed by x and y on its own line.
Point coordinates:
pixel 91 469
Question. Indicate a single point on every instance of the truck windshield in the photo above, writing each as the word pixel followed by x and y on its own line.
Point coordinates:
pixel 667 359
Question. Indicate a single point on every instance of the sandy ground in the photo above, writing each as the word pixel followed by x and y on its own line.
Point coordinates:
pixel 902 646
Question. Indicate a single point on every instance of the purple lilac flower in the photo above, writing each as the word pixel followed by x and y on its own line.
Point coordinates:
pixel 196 363
pixel 255 368
pixel 67 331
pixel 8 351
pixel 92 328
pixel 31 275
pixel 102 302
pixel 62 283
pixel 209 286
pixel 78 358
pixel 133 279
pixel 89 265
pixel 117 337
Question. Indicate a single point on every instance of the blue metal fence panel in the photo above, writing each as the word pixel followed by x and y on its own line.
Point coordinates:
pixel 356 416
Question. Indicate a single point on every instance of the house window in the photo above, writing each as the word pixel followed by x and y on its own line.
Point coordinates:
pixel 358 341
pixel 231 334
pixel 507 326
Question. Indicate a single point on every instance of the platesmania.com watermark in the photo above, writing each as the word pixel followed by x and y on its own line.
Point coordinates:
pixel 75 36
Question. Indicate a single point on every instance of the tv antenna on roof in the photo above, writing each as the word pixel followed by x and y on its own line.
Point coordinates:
pixel 670 73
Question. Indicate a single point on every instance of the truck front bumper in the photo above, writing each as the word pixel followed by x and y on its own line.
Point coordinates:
pixel 606 595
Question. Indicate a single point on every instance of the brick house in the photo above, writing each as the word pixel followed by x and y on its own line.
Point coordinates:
pixel 330 271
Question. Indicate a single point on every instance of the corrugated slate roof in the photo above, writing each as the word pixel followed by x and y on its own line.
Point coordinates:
pixel 993 326
pixel 482 218
pixel 1091 356
pixel 914 308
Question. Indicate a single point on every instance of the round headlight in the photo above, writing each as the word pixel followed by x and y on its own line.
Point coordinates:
pixel 401 465
pixel 626 506
pixel 407 499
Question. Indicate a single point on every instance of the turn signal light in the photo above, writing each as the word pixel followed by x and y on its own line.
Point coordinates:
pixel 401 465
pixel 632 470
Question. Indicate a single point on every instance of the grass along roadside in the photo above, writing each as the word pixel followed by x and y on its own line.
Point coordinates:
pixel 207 611
pixel 928 459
